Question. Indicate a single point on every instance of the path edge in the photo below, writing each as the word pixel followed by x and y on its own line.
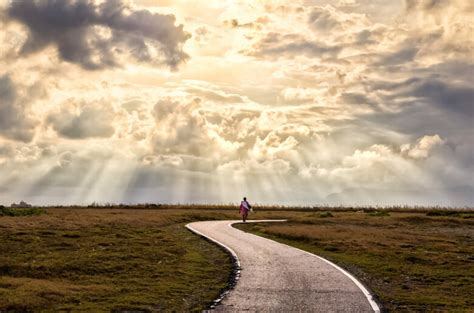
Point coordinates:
pixel 369 295
pixel 235 273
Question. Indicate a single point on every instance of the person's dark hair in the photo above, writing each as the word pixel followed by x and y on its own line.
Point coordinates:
pixel 245 198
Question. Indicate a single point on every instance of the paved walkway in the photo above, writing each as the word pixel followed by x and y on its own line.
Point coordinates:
pixel 279 278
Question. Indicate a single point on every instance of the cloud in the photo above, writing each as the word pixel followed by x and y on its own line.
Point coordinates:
pixel 14 121
pixel 449 97
pixel 291 45
pixel 371 167
pixel 215 95
pixel 181 162
pixel 294 106
pixel 423 147
pixel 338 26
pixel 451 20
pixel 88 122
pixel 194 129
pixel 295 96
pixel 272 146
pixel 358 98
pixel 451 94
pixel 253 167
pixel 323 19
pixel 425 5
pixel 257 24
pixel 383 165
pixel 163 109
pixel 97 36
pixel 182 129
pixel 400 57
pixel 234 23
pixel 71 170
pixel 201 34
pixel 460 196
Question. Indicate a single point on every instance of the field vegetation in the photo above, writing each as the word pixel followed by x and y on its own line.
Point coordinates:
pixel 101 260
pixel 419 261
pixel 21 212
pixel 141 258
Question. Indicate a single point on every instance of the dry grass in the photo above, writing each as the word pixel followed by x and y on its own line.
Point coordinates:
pixel 109 259
pixel 412 261
pixel 141 258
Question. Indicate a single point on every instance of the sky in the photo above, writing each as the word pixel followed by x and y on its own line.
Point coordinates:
pixel 350 102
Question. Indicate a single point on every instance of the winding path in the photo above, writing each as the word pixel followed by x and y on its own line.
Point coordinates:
pixel 278 278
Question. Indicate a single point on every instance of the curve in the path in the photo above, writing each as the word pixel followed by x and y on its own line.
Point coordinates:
pixel 279 278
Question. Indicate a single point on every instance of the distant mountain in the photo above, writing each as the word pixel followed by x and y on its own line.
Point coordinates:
pixel 459 196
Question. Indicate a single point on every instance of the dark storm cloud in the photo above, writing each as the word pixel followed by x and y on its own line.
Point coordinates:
pixel 435 99
pixel 13 122
pixel 451 71
pixel 457 98
pixel 292 45
pixel 425 105
pixel 74 27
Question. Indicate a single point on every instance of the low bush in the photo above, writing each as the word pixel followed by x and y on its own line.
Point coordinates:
pixel 442 213
pixel 326 214
pixel 379 213
pixel 20 211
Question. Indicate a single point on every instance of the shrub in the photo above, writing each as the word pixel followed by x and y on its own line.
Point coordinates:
pixel 20 212
pixel 326 214
pixel 442 213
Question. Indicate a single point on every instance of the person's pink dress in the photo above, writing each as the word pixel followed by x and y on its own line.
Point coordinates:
pixel 243 209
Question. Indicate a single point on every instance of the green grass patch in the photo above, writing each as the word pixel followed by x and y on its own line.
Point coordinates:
pixel 378 213
pixel 21 211
pixel 326 214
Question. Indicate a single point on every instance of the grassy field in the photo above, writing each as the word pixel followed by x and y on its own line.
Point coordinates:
pixel 108 260
pixel 414 262
pixel 142 258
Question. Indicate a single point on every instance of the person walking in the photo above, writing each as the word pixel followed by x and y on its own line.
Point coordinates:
pixel 244 209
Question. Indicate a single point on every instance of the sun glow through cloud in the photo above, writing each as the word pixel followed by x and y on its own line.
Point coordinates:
pixel 306 102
